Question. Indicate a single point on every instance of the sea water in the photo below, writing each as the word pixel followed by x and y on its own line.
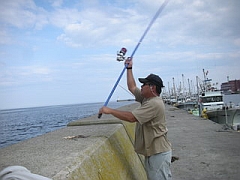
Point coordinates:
pixel 20 124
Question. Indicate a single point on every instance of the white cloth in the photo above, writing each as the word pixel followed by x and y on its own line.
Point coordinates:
pixel 19 173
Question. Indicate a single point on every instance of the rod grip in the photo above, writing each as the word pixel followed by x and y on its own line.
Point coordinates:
pixel 99 116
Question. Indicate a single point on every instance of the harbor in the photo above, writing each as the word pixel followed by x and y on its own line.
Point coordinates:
pixel 207 100
pixel 102 149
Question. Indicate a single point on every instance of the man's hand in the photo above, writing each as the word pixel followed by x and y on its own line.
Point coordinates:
pixel 123 115
pixel 128 62
pixel 104 110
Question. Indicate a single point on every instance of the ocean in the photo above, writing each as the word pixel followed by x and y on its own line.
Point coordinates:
pixel 20 124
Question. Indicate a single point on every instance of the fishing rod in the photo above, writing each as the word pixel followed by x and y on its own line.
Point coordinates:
pixel 124 50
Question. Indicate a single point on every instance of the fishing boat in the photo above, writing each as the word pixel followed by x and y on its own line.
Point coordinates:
pixel 229 116
pixel 218 111
pixel 211 100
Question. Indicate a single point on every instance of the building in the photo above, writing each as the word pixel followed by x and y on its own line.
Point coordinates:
pixel 231 87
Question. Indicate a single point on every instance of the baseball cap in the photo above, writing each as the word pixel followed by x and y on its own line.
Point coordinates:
pixel 152 78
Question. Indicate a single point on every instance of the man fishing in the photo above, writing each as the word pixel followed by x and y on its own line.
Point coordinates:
pixel 151 131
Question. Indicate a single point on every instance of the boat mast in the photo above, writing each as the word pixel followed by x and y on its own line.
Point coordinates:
pixel 183 86
pixel 189 91
pixel 204 81
pixel 169 93
pixel 174 89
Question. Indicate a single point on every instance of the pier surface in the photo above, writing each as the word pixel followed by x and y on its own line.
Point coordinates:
pixel 205 149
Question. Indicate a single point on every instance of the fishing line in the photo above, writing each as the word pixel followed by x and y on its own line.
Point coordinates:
pixel 134 51
pixel 126 90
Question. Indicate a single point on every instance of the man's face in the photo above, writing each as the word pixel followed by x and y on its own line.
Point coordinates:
pixel 145 89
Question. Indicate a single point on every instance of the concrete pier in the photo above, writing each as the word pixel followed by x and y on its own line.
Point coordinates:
pixel 206 149
pixel 102 149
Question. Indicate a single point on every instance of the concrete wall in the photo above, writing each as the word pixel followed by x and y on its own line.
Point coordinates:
pixel 114 158
pixel 103 150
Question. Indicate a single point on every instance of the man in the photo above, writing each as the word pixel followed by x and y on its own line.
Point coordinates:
pixel 151 131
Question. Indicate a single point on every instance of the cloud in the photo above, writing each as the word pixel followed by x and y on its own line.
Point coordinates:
pixel 57 3
pixel 22 14
pixel 199 22
pixel 5 37
pixel 95 27
pixel 237 41
pixel 18 16
pixel 188 22
pixel 25 75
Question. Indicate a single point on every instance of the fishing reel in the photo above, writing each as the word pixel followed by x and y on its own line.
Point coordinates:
pixel 121 54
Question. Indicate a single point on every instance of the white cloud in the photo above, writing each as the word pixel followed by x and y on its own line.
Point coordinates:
pixel 57 3
pixel 61 17
pixel 5 37
pixel 237 41
pixel 94 27
pixel 22 14
pixel 24 75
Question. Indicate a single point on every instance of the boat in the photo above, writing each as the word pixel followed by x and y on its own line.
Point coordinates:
pixel 186 105
pixel 229 116
pixel 211 100
pixel 217 111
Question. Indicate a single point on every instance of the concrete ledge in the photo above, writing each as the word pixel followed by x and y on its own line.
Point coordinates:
pixel 112 158
pixel 102 150
pixel 85 122
pixel 129 127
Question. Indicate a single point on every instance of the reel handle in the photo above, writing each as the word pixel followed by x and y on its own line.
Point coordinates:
pixel 99 116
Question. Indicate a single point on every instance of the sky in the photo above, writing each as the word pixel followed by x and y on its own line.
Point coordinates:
pixel 57 52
